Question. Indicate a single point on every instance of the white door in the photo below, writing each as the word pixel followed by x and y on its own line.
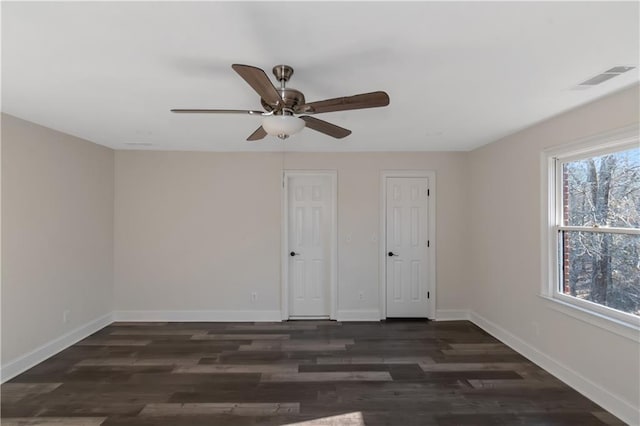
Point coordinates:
pixel 407 242
pixel 309 234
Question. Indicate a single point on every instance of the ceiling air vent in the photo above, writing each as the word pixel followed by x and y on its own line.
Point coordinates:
pixel 608 74
pixel 138 143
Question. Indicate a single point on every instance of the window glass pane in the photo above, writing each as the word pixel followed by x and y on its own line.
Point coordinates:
pixel 603 268
pixel 602 190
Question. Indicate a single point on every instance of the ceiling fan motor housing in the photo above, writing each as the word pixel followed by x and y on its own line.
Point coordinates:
pixel 290 97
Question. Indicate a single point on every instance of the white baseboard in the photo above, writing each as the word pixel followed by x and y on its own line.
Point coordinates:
pixel 204 316
pixel 452 314
pixel 625 410
pixel 359 315
pixel 36 356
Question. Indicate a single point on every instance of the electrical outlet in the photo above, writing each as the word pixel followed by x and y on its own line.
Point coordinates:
pixel 254 297
pixel 65 316
pixel 361 295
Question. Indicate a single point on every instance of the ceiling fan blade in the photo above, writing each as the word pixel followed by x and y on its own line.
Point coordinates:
pixel 260 133
pixel 216 111
pixel 365 100
pixel 325 127
pixel 260 83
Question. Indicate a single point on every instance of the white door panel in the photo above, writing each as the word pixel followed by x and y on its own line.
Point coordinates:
pixel 407 247
pixel 309 204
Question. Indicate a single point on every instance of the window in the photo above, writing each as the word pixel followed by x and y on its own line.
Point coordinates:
pixel 594 227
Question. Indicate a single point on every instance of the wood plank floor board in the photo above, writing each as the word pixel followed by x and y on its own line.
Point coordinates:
pixel 475 375
pixel 257 356
pixel 479 351
pixel 404 372
pixel 475 366
pixel 14 392
pixel 312 347
pixel 390 352
pixel 238 368
pixel 256 395
pixel 287 326
pixel 496 345
pixel 161 332
pixel 188 345
pixel 342 376
pixel 250 358
pixel 474 358
pixel 232 420
pixel 23 410
pixel 54 421
pixel 513 384
pixel 86 394
pixel 137 362
pixel 303 342
pixel 374 359
pixel 91 409
pixel 377 406
pixel 89 375
pixel 232 408
pixel 263 392
pixel 107 370
pixel 139 324
pixel 323 373
pixel 549 419
pixel 241 337
pixel 113 342
pixel 213 379
pixel 318 368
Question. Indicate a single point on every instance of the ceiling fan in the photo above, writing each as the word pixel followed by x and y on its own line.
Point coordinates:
pixel 286 111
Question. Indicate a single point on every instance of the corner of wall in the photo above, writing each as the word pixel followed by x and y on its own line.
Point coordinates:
pixel 22 363
pixel 609 401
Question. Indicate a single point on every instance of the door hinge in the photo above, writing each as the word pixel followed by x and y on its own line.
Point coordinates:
pixel 428 243
pixel 428 295
pixel 428 192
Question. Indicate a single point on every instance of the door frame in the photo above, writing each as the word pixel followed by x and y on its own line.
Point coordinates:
pixel 431 223
pixel 333 243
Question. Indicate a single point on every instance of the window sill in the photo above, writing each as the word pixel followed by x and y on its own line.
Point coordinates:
pixel 614 325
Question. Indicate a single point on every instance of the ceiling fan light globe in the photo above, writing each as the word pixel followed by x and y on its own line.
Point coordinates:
pixel 282 126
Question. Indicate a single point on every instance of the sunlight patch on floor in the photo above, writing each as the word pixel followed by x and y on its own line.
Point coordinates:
pixel 348 419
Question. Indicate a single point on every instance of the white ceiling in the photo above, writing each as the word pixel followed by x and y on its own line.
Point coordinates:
pixel 459 74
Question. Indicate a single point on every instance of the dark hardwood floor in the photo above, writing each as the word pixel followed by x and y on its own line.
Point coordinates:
pixel 312 373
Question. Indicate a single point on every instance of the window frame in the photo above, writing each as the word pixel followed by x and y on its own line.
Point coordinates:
pixel 611 319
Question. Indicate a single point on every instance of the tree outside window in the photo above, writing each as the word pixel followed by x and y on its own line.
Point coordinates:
pixel 599 229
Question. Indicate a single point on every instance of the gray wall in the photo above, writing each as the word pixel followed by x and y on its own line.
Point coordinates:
pixel 202 230
pixel 57 234
pixel 505 242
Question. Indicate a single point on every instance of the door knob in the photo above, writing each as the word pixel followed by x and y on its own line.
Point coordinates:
pixel 392 254
pixel 293 253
